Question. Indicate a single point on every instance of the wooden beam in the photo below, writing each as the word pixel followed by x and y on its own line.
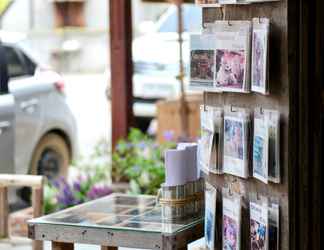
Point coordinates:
pixel 4 211
pixel 121 68
pixel 62 246
pixel 109 248
pixel 8 180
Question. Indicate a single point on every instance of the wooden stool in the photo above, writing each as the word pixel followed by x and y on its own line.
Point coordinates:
pixel 34 182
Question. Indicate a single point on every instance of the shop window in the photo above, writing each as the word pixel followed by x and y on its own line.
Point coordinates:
pixel 69 13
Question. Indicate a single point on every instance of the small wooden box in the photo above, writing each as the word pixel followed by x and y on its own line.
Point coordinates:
pixel 169 117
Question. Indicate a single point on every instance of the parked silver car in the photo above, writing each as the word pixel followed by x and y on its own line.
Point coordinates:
pixel 37 128
pixel 156 60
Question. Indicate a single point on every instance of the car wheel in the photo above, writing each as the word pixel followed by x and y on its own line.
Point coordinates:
pixel 51 157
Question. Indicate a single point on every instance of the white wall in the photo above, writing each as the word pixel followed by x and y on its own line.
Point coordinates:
pixel 46 41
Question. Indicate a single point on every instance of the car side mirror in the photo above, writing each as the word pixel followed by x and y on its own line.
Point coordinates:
pixel 4 77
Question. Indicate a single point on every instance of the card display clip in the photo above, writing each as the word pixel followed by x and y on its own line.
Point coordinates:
pixel 205 100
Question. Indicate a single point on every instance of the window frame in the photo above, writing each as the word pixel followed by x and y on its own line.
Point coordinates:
pixel 4 78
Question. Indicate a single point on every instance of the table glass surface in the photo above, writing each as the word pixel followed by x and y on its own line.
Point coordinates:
pixel 118 212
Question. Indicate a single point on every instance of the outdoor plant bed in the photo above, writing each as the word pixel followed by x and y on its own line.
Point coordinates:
pixel 139 159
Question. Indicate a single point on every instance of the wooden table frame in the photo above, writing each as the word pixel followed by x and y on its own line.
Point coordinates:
pixel 64 237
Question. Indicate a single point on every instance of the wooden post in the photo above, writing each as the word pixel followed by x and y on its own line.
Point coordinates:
pixel 4 212
pixel 121 68
pixel 62 246
pixel 184 107
pixel 37 202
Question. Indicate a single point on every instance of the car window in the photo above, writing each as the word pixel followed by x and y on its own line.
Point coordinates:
pixel 192 19
pixel 31 66
pixel 15 65
pixel 3 72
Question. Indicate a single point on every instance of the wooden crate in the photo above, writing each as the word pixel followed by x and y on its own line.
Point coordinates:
pixel 169 117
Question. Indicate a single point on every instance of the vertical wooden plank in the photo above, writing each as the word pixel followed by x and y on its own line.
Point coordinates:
pixel 282 60
pixel 37 202
pixel 108 248
pixel 4 212
pixel 121 67
pixel 62 246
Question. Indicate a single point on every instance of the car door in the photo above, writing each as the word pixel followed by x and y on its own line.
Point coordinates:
pixel 7 120
pixel 27 93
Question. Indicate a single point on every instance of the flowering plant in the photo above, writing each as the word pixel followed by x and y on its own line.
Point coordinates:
pixel 139 159
pixel 60 194
pixel 89 181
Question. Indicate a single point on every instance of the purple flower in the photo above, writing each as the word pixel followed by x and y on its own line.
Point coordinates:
pixel 66 197
pixel 168 135
pixel 98 191
pixel 77 186
pixel 78 181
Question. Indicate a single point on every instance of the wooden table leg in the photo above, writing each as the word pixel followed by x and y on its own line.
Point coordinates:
pixel 37 245
pixel 108 248
pixel 4 212
pixel 62 246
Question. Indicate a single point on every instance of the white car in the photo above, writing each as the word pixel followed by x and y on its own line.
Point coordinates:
pixel 37 128
pixel 156 60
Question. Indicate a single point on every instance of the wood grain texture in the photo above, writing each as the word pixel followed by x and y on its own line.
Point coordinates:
pixel 121 68
pixel 4 210
pixel 109 248
pixel 62 246
pixel 95 236
pixel 183 238
pixel 11 180
pixel 37 202
pixel 279 99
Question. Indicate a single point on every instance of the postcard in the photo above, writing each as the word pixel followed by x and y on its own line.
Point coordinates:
pixel 260 148
pixel 260 55
pixel 235 160
pixel 232 54
pixel 211 142
pixel 274 145
pixel 202 61
pixel 210 216
pixel 274 227
pixel 231 223
pixel 259 226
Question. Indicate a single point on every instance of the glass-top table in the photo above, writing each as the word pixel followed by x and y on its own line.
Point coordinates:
pixel 115 220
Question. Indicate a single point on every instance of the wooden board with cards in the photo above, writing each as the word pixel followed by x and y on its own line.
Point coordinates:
pixel 278 99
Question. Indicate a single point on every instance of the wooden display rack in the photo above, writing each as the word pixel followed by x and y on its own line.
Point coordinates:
pixel 289 91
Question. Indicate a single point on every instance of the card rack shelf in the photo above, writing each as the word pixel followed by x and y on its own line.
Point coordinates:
pixel 279 99
pixel 218 5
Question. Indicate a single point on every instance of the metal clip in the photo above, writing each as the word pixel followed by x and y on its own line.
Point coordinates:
pixel 205 99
